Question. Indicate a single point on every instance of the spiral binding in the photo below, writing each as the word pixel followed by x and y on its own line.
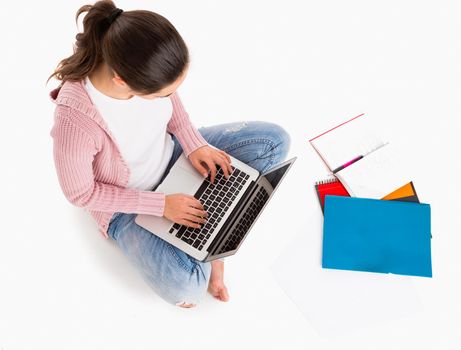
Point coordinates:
pixel 327 181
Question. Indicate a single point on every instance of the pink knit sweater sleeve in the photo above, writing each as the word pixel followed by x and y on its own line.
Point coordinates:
pixel 74 151
pixel 181 126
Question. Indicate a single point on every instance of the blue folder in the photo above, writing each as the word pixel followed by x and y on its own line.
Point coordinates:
pixel 377 236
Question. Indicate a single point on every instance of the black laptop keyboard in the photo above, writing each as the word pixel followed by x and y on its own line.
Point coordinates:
pixel 216 199
pixel 245 222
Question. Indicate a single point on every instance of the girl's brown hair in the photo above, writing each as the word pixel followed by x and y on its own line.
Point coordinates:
pixel 141 46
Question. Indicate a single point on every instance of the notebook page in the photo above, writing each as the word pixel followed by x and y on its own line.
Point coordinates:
pixel 376 175
pixel 355 138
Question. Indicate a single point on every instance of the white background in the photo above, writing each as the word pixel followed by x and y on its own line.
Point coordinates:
pixel 306 65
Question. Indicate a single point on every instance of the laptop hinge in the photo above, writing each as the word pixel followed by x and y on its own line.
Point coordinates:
pixel 232 217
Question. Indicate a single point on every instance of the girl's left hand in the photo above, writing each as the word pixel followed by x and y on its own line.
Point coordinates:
pixel 210 156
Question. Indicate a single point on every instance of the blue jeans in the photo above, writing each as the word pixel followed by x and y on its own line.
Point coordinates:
pixel 174 275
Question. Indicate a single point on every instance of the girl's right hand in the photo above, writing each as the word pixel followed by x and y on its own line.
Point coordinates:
pixel 184 209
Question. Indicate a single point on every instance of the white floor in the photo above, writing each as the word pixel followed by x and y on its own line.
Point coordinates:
pixel 304 65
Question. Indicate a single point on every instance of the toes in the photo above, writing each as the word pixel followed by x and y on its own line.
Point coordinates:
pixel 224 294
pixel 219 293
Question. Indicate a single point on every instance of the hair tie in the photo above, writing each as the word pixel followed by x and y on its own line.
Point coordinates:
pixel 114 15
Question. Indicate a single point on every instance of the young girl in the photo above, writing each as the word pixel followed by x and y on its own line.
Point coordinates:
pixel 119 126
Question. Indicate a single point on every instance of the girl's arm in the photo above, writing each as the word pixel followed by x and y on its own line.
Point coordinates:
pixel 73 152
pixel 180 126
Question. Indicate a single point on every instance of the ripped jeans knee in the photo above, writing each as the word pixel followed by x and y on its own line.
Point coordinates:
pixel 186 305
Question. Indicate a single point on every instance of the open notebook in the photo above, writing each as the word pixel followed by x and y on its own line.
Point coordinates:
pixel 377 168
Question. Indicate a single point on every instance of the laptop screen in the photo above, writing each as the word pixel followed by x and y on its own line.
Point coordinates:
pixel 276 175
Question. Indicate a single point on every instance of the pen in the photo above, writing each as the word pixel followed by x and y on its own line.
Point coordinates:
pixel 347 164
pixel 358 158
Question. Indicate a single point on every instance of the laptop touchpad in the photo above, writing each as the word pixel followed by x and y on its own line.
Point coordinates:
pixel 182 181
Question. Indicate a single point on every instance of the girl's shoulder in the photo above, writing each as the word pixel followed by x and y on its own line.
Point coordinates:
pixel 73 102
pixel 72 94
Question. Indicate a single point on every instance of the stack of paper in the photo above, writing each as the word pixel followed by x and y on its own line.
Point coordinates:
pixel 363 232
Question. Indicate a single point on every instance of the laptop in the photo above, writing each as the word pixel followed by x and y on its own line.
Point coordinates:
pixel 233 205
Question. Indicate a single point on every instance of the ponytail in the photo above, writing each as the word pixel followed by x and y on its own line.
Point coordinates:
pixel 141 46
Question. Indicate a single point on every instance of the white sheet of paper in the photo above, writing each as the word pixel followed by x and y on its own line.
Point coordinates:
pixel 336 301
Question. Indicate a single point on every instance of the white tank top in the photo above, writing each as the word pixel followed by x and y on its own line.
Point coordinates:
pixel 139 126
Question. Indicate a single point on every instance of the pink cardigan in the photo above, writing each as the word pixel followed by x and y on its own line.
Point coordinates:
pixel 91 171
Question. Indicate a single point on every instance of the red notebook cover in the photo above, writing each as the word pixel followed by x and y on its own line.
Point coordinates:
pixel 331 187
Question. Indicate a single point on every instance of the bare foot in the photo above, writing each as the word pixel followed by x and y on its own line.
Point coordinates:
pixel 216 285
